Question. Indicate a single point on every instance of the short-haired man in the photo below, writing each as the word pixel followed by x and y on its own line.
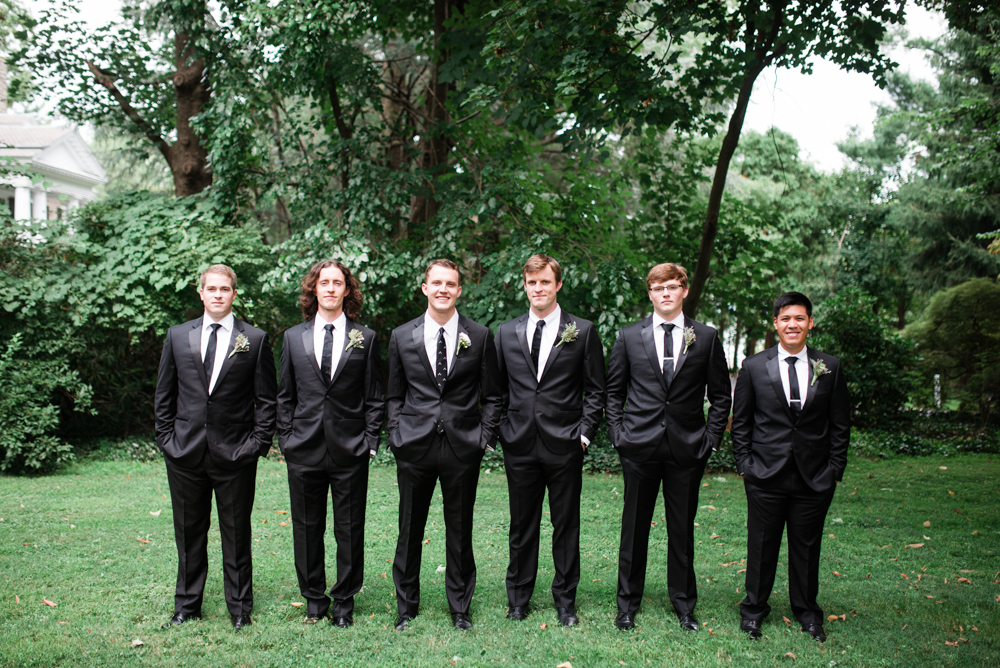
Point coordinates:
pixel 330 407
pixel 443 401
pixel 791 426
pixel 658 375
pixel 552 374
pixel 215 407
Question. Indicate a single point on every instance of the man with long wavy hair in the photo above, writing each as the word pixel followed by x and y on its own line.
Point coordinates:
pixel 330 404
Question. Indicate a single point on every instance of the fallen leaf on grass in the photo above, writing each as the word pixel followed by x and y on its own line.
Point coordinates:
pixel 965 580
pixel 565 664
pixel 966 571
pixel 709 507
pixel 928 596
pixel 49 603
pixel 297 604
pixel 155 513
pixel 905 576
pixel 927 523
pixel 714 536
pixel 281 512
pixel 742 570
pixel 542 627
pixel 17 599
pixel 843 618
pixel 622 663
pixel 832 618
pixel 951 493
pixel 284 524
pixel 904 627
pixel 914 545
pixel 729 564
pixel 137 643
pixel 790 655
pixel 943 468
pixel 142 540
pixel 951 644
pixel 839 575
pixel 788 622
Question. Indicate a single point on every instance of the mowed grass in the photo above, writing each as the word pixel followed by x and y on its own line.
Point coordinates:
pixel 97 541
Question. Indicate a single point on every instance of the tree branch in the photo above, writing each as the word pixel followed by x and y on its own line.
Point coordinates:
pixel 151 134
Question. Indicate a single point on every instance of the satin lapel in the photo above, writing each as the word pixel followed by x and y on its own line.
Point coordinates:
pixel 347 352
pixel 682 354
pixel 521 330
pixel 309 346
pixel 230 360
pixel 646 334
pixel 810 385
pixel 194 341
pixel 458 351
pixel 774 373
pixel 418 343
pixel 564 321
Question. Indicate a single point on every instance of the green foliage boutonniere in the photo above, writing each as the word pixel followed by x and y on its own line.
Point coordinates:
pixel 569 334
pixel 355 339
pixel 242 345
pixel 819 369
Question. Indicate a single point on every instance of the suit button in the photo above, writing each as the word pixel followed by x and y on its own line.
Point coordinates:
pixel 538 391
pixel 668 403
pixel 663 424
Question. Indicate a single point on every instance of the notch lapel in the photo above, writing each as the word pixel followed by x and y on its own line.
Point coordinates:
pixel 564 320
pixel 194 342
pixel 418 344
pixel 646 334
pixel 347 352
pixel 521 330
pixel 810 385
pixel 309 346
pixel 773 366
pixel 682 354
pixel 458 334
pixel 230 360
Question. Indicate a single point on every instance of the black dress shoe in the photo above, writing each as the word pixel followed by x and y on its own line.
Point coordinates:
pixel 462 621
pixel 517 612
pixel 816 631
pixel 567 616
pixel 241 620
pixel 180 618
pixel 343 621
pixel 402 623
pixel 625 621
pixel 688 622
pixel 751 626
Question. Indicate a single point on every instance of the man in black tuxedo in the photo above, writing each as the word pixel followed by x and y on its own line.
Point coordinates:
pixel 330 403
pixel 552 375
pixel 444 404
pixel 659 371
pixel 214 405
pixel 791 426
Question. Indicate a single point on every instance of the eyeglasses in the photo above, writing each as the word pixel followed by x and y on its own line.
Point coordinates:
pixel 672 289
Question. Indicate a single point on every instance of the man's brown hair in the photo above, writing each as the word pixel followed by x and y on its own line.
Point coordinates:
pixel 538 262
pixel 218 269
pixel 662 273
pixel 442 262
pixel 310 303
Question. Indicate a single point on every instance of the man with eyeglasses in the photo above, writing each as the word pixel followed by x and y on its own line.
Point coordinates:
pixel 659 371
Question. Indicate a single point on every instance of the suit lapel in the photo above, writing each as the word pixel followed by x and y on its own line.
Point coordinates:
pixel 810 385
pixel 418 344
pixel 564 320
pixel 347 352
pixel 194 341
pixel 308 344
pixel 774 373
pixel 646 334
pixel 230 359
pixel 521 330
pixel 458 335
pixel 682 353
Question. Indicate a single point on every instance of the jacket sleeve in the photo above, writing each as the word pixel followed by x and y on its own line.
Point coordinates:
pixel 744 408
pixel 617 387
pixel 490 397
pixel 502 377
pixel 265 390
pixel 165 397
pixel 374 396
pixel 840 423
pixel 719 392
pixel 395 393
pixel 287 394
pixel 595 392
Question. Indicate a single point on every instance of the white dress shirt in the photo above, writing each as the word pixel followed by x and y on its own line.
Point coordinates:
pixel 431 329
pixel 677 334
pixel 319 333
pixel 801 370
pixel 222 337
pixel 549 333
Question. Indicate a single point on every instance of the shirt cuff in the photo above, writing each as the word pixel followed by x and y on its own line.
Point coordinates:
pixel 491 448
pixel 372 452
pixel 584 439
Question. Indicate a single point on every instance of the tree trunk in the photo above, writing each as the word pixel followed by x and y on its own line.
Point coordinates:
pixel 900 310
pixel 187 156
pixel 769 338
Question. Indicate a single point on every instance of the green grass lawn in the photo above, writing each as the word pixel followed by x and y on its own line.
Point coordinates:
pixel 97 540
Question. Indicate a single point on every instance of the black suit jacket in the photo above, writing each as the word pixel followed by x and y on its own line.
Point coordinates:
pixel 641 409
pixel 236 422
pixel 765 435
pixel 342 418
pixel 467 409
pixel 566 403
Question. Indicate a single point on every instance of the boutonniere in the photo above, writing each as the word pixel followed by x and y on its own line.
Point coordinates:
pixel 242 345
pixel 819 369
pixel 569 334
pixel 463 342
pixel 355 339
pixel 689 338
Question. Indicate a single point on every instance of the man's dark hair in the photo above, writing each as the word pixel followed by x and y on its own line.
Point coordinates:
pixel 792 299
pixel 445 263
pixel 310 303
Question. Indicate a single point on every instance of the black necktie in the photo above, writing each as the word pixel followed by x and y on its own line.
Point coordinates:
pixel 442 360
pixel 668 351
pixel 536 342
pixel 327 364
pixel 795 401
pixel 209 362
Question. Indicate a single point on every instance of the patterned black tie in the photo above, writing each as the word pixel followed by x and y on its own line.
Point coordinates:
pixel 668 352
pixel 442 360
pixel 326 367
pixel 536 342
pixel 213 341
pixel 795 401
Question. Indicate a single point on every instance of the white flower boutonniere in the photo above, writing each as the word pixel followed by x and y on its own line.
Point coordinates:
pixel 463 342
pixel 689 338
pixel 242 345
pixel 355 339
pixel 819 369
pixel 569 334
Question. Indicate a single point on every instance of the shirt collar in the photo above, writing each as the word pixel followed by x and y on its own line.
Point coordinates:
pixel 677 321
pixel 450 327
pixel 339 324
pixel 550 320
pixel 802 354
pixel 227 322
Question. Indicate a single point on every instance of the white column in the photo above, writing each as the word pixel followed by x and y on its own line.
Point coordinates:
pixel 74 203
pixel 22 198
pixel 39 204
